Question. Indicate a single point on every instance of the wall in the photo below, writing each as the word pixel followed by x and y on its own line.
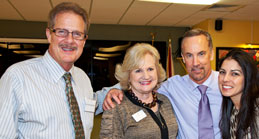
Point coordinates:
pixel 22 29
pixel 233 34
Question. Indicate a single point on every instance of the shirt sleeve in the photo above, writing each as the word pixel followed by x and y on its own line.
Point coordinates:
pixel 101 96
pixel 111 125
pixel 10 106
pixel 165 88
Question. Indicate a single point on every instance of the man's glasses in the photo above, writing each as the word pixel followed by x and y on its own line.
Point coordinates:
pixel 64 33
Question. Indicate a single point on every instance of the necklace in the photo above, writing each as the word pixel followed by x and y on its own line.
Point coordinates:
pixel 149 105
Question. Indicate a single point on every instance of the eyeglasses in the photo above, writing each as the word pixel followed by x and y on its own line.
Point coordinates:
pixel 64 33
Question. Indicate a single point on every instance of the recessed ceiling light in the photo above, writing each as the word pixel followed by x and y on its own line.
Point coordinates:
pixel 115 48
pixel 100 58
pixel 107 55
pixel 35 56
pixel 27 52
pixel 3 45
pixel 199 2
pixel 10 46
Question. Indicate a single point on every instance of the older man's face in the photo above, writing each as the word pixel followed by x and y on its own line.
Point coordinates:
pixel 66 50
pixel 197 56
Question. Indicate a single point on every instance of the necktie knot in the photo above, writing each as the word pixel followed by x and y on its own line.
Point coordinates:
pixel 67 77
pixel 202 89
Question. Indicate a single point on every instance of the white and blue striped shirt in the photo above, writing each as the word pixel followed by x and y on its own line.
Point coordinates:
pixel 33 103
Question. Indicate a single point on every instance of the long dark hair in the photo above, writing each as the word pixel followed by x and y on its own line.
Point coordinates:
pixel 247 112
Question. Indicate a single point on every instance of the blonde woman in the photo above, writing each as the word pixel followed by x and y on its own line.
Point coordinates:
pixel 143 113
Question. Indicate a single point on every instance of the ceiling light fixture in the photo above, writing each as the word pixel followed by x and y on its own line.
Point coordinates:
pixel 27 46
pixel 26 52
pixel 100 58
pixel 10 46
pixel 3 45
pixel 35 56
pixel 198 2
pixel 107 55
pixel 115 48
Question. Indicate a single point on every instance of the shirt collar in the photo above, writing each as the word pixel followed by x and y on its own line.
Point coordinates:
pixel 194 85
pixel 55 70
pixel 72 72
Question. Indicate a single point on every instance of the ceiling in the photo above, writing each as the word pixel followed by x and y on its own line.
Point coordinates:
pixel 134 12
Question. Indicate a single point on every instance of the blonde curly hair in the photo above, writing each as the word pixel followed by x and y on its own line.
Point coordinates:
pixel 132 60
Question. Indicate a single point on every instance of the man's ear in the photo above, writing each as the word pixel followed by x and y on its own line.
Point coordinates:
pixel 183 57
pixel 86 37
pixel 48 34
pixel 211 54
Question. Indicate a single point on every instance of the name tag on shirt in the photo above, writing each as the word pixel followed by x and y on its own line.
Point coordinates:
pixel 139 115
pixel 90 105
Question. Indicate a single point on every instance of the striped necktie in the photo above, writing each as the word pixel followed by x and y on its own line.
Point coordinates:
pixel 74 109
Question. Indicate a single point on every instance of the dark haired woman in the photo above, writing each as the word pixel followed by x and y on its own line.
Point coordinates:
pixel 238 83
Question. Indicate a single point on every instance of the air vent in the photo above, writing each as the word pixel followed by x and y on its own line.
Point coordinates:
pixel 223 8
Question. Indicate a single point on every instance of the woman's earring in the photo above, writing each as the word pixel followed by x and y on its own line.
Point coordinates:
pixel 129 87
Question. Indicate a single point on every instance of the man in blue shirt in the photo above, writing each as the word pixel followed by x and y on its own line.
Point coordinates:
pixel 182 91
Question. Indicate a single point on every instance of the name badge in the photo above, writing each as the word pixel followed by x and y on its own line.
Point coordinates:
pixel 90 105
pixel 139 115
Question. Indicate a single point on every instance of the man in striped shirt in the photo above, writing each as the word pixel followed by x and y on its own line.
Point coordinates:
pixel 33 102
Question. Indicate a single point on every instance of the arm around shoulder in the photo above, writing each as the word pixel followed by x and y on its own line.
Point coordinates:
pixel 101 94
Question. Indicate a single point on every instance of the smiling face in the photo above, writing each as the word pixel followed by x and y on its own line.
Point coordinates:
pixel 231 80
pixel 66 50
pixel 144 79
pixel 197 56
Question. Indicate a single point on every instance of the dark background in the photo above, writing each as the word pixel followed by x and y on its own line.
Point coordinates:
pixel 100 72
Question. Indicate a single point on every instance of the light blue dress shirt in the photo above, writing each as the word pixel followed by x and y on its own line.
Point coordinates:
pixel 185 97
pixel 33 103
